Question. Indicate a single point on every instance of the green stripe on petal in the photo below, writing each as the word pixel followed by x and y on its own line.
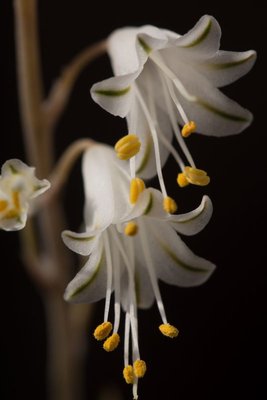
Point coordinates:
pixel 145 158
pixel 113 92
pixel 202 37
pixel 220 113
pixel 87 283
pixel 231 64
pixel 144 45
pixel 79 239
pixel 180 263
pixel 149 205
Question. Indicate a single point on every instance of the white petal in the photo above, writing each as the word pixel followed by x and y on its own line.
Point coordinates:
pixel 106 186
pixel 144 291
pixel 115 94
pixel 15 224
pixel 194 221
pixel 202 41
pixel 227 66
pixel 174 262
pixel 214 113
pixel 123 51
pixel 154 207
pixel 89 285
pixel 81 243
pixel 129 47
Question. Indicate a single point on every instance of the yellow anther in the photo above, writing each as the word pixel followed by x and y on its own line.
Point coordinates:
pixel 16 200
pixel 103 330
pixel 12 213
pixel 196 176
pixel 128 374
pixel 131 229
pixel 168 330
pixel 139 368
pixel 136 187
pixel 112 342
pixel 3 205
pixel 182 180
pixel 189 128
pixel 127 147
pixel 169 205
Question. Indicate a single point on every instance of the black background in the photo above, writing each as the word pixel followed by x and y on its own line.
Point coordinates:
pixel 220 351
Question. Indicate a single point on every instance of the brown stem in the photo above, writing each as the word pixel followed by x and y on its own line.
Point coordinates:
pixel 46 259
pixel 60 92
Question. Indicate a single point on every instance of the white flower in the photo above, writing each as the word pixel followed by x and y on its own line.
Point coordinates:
pixel 130 247
pixel 164 79
pixel 18 187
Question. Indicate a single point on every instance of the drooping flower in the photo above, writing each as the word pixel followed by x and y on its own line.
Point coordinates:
pixel 18 187
pixel 163 80
pixel 131 243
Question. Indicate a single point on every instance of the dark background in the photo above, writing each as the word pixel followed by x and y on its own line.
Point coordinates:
pixel 220 351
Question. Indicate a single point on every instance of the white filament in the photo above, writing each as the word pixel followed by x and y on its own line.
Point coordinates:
pixel 109 275
pixel 155 140
pixel 151 271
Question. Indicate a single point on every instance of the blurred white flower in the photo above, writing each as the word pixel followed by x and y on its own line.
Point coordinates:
pixel 18 187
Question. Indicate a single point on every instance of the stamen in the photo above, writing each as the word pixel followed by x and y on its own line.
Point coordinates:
pixel 127 147
pixel 194 176
pixel 128 374
pixel 139 368
pixel 151 271
pixel 112 342
pixel 137 186
pixel 126 338
pixel 189 128
pixel 3 205
pixel 155 140
pixel 117 288
pixel 181 180
pixel 169 330
pixel 169 205
pixel 109 275
pixel 103 330
pixel 168 89
pixel 131 229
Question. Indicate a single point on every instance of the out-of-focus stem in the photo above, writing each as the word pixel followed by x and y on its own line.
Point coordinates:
pixel 46 257
pixel 60 92
pixel 30 81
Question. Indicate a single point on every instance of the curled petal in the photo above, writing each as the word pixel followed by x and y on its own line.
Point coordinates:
pixel 227 66
pixel 193 222
pixel 89 285
pixel 181 266
pixel 80 243
pixel 115 94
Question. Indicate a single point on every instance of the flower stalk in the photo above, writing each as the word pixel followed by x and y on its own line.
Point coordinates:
pixel 46 259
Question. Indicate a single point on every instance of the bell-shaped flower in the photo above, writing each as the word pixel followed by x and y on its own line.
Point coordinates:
pixel 164 80
pixel 131 243
pixel 18 187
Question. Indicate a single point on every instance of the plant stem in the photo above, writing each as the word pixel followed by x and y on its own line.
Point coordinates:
pixel 46 257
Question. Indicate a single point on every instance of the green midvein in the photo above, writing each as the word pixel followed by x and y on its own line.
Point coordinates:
pixel 79 239
pixel 145 46
pixel 180 263
pixel 90 280
pixel 231 64
pixel 113 92
pixel 149 205
pixel 190 219
pixel 145 158
pixel 202 37
pixel 221 113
